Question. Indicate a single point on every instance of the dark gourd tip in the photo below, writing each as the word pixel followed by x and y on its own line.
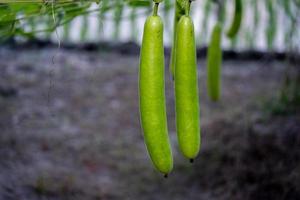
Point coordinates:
pixel 191 160
pixel 166 176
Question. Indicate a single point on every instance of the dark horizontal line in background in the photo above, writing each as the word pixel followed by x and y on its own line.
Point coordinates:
pixel 132 48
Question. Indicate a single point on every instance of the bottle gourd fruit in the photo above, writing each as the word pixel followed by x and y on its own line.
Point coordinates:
pixel 186 89
pixel 214 61
pixel 237 19
pixel 152 94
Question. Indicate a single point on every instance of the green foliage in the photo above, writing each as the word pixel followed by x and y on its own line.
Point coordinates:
pixel 139 3
pixel 16 17
pixel 117 18
pixel 102 9
pixel 28 20
pixel 271 28
pixel 7 25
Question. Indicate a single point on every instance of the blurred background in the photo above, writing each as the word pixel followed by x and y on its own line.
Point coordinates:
pixel 69 116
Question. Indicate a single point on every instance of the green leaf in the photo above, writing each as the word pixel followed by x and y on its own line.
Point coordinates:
pixel 139 3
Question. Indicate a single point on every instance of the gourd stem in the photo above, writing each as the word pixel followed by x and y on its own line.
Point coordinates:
pixel 155 9
pixel 188 8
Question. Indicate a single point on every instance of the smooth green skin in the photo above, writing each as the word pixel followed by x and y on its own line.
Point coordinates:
pixel 237 20
pixel 214 62
pixel 186 90
pixel 179 12
pixel 152 96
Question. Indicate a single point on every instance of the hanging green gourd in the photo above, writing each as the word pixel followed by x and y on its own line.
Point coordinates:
pixel 214 62
pixel 214 59
pixel 237 19
pixel 152 94
pixel 186 88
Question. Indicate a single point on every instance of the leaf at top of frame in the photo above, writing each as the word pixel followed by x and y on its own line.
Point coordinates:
pixel 7 16
pixel 139 3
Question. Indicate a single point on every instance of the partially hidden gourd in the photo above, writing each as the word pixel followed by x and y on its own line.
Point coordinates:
pixel 214 62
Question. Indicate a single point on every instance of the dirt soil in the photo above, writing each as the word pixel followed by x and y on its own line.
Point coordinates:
pixel 70 130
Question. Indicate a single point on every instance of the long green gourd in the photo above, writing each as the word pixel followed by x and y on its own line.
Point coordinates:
pixel 186 89
pixel 237 19
pixel 152 94
pixel 214 62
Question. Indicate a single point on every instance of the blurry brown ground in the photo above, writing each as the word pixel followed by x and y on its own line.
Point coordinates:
pixel 70 130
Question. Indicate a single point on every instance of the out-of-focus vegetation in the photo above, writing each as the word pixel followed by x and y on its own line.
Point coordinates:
pixel 29 19
pixel 40 19
pixel 264 21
